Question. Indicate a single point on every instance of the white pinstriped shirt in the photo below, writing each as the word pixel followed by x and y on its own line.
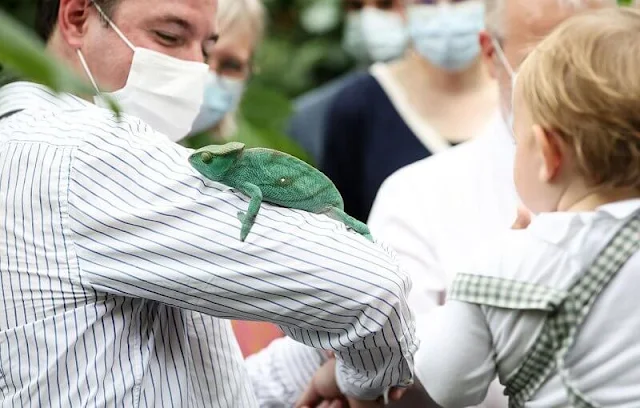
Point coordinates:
pixel 118 263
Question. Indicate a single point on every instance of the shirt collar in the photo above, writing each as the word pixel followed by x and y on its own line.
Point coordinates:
pixel 556 227
pixel 621 209
pixel 23 95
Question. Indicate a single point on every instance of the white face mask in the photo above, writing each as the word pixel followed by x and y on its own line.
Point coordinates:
pixel 512 74
pixel 375 35
pixel 163 91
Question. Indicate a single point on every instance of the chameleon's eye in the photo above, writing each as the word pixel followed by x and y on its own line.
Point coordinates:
pixel 283 181
pixel 206 157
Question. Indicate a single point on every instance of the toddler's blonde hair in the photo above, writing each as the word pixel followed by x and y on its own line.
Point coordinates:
pixel 583 82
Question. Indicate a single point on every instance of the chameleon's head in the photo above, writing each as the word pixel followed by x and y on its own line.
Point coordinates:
pixel 215 161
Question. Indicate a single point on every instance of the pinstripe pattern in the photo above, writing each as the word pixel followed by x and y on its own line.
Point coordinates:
pixel 119 262
pixel 283 369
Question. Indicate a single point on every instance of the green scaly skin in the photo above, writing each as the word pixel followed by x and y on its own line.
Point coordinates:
pixel 275 177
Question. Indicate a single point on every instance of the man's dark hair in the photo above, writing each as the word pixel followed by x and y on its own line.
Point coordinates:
pixel 47 15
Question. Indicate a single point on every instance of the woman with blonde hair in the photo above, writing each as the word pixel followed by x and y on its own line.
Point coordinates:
pixel 241 25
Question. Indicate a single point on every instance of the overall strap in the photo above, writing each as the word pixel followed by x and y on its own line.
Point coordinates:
pixel 504 293
pixel 560 329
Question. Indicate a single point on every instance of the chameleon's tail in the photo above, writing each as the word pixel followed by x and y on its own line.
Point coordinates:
pixel 358 226
pixel 246 225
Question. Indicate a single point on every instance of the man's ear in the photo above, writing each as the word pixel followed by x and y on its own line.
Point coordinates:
pixel 488 52
pixel 73 17
pixel 549 145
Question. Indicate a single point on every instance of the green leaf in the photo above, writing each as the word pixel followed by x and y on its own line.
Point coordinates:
pixel 265 108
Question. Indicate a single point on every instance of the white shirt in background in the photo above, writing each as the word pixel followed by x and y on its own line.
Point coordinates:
pixel 434 212
pixel 464 346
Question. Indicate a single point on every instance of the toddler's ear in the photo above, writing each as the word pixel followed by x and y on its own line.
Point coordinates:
pixel 548 144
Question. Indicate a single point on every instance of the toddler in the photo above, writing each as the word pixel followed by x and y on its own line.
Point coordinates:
pixel 553 309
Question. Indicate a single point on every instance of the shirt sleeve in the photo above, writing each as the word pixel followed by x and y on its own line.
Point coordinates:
pixel 397 218
pixel 280 372
pixel 147 225
pixel 455 362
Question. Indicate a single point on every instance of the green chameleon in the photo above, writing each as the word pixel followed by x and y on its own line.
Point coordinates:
pixel 275 177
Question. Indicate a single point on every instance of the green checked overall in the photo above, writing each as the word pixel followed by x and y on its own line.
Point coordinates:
pixel 566 312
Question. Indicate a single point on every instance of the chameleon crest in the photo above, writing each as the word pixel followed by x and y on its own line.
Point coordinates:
pixel 275 177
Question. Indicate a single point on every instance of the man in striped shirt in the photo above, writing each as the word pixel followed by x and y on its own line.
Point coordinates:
pixel 119 262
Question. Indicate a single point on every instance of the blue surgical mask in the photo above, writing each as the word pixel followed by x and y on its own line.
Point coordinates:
pixel 221 96
pixel 447 35
pixel 375 35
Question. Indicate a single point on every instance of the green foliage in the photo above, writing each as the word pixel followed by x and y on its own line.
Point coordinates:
pixel 22 55
pixel 21 10
pixel 303 49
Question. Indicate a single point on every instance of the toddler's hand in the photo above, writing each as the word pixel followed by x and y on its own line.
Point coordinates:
pixel 523 219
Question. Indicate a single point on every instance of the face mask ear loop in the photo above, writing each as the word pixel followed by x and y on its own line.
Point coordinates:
pixel 113 26
pixel 502 57
pixel 86 70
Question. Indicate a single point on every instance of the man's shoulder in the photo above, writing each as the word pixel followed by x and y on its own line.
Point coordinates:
pixel 97 135
pixel 73 125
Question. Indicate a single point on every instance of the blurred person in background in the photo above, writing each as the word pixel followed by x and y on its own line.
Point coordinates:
pixel 374 31
pixel 438 95
pixel 242 28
